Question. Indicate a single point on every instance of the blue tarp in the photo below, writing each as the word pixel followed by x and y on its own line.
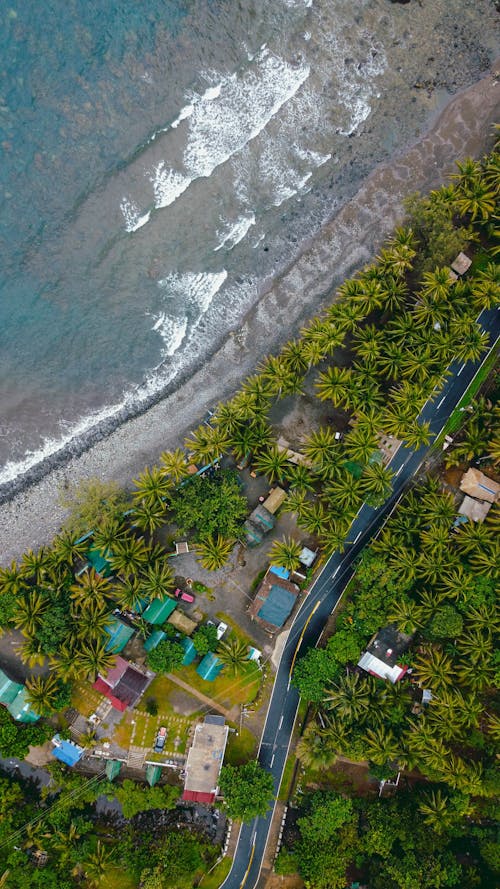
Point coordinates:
pixel 67 752
pixel 277 606
pixel 210 667
pixel 280 571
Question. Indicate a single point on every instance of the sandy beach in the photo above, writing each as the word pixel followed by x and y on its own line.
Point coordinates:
pixel 343 245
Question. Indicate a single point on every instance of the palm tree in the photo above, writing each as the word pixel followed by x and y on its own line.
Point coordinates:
pixel 109 531
pixel 174 464
pixel 129 556
pixel 315 749
pixel 128 594
pixel 402 560
pixel 31 652
pixel 487 561
pixel 156 580
pixel 286 553
pixel 148 516
pixel 313 352
pixel 35 565
pixel 406 614
pixel 350 698
pixel 296 501
pixel 476 200
pixel 272 462
pixel 475 644
pixel 41 693
pixel 213 552
pixel 280 377
pixel 293 354
pixel 333 385
pixel 484 617
pixel 439 508
pixel 300 477
pixel 377 482
pixel 486 287
pixel 233 654
pixel 93 659
pixel 469 340
pixel 368 343
pixel 12 580
pixel 333 537
pixel 417 435
pixel 29 612
pixel 435 668
pixel 65 663
pixel 437 812
pixel 91 619
pixel 152 486
pixel 65 549
pixel 381 745
pixel 437 284
pixel 471 537
pixel 359 444
pixel 90 587
pixel 345 491
pixel 96 865
pixel 320 444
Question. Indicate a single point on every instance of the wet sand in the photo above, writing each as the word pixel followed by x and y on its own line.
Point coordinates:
pixel 344 244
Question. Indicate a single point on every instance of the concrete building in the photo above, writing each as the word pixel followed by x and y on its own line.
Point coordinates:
pixel 204 760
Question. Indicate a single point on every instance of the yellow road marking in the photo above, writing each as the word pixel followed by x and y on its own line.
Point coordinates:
pixel 302 636
pixel 249 865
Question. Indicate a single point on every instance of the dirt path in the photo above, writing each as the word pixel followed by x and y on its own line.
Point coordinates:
pixel 232 715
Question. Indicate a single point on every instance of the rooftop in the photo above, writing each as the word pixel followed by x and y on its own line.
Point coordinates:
pixel 274 601
pixel 475 510
pixel 158 610
pixel 209 667
pixel 204 760
pixel 119 634
pixel 478 485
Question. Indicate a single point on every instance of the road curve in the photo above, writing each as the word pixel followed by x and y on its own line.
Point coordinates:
pixel 324 595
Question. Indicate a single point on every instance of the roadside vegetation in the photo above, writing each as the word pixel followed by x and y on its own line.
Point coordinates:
pixel 373 358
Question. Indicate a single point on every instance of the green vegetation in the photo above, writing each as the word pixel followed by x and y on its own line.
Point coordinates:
pixel 167 656
pixel 134 799
pixel 211 506
pixel 247 790
pixel 417 839
pixel 205 639
pixel 91 503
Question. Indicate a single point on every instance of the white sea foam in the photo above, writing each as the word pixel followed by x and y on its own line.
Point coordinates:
pixel 172 331
pixel 168 185
pixel 184 113
pixel 133 216
pixel 243 108
pixel 213 92
pixel 195 290
pixel 236 232
pixel 312 157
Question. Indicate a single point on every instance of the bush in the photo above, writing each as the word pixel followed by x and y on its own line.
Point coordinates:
pixel 152 706
pixel 205 639
pixel 165 657
pixel 210 506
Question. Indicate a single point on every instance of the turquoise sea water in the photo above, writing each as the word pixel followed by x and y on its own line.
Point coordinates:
pixel 159 160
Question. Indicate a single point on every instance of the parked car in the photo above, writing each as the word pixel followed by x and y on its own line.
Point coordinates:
pixel 221 629
pixel 186 597
pixel 160 739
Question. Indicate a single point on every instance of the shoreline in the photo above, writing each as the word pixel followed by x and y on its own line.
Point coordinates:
pixel 30 514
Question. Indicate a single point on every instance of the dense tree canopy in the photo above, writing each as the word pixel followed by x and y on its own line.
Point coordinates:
pixel 247 790
pixel 210 506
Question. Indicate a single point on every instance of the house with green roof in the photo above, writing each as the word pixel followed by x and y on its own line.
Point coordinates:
pixel 119 634
pixel 13 696
pixel 154 639
pixel 159 610
pixel 190 651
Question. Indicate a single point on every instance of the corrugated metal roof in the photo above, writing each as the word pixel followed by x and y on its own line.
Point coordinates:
pixel 119 634
pixel 277 606
pixel 158 610
pixel 210 667
pixel 374 665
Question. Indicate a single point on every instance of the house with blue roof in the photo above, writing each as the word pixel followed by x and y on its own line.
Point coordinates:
pixel 209 667
pixel 154 639
pixel 190 651
pixel 66 751
pixel 274 600
pixel 13 696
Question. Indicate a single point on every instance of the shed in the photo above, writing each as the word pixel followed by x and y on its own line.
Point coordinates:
pixel 182 622
pixel 119 634
pixel 279 571
pixel 307 557
pixel 253 534
pixel 190 651
pixel 181 548
pixel 20 708
pixel 461 264
pixel 262 518
pixel 276 497
pixel 100 562
pixel 159 610
pixel 66 751
pixel 277 607
pixel 154 639
pixel 8 689
pixel 478 485
pixel 113 767
pixel 475 510
pixel 378 668
pixel 153 774
pixel 209 667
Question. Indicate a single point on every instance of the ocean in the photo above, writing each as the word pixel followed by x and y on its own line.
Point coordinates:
pixel 163 161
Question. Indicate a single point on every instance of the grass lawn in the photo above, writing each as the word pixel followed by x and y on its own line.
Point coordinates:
pixel 240 747
pixel 123 732
pixel 226 689
pixel 84 698
pixel 146 729
pixel 218 875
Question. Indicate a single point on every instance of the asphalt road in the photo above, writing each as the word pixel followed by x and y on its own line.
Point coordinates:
pixel 322 599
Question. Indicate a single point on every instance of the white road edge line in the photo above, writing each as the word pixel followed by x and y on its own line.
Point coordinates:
pixel 460 371
pixel 438 405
